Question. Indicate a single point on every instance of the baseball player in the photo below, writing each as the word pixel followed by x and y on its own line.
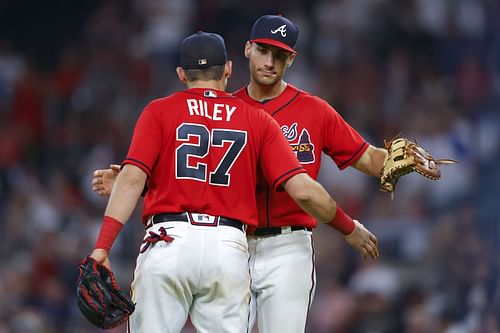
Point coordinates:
pixel 198 150
pixel 283 282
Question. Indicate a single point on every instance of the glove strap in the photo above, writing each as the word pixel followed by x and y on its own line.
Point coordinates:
pixel 109 231
pixel 342 222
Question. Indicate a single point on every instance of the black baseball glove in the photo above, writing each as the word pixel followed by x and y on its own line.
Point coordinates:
pixel 99 297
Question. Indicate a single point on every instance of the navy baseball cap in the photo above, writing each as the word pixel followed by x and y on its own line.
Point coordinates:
pixel 275 30
pixel 202 50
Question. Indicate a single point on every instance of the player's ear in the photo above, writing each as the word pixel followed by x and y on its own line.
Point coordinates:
pixel 248 47
pixel 228 69
pixel 290 60
pixel 181 74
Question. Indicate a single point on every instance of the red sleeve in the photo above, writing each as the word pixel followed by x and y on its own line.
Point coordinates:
pixel 277 160
pixel 341 142
pixel 146 140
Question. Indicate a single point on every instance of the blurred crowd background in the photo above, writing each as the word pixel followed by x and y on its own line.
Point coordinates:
pixel 74 76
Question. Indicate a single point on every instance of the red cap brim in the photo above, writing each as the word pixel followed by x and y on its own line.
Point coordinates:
pixel 273 42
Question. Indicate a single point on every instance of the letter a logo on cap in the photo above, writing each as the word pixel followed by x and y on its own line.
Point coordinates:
pixel 281 29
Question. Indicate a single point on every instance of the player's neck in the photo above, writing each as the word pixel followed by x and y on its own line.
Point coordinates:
pixel 216 85
pixel 260 92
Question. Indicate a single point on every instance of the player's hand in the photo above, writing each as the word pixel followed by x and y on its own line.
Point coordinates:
pixel 103 180
pixel 102 257
pixel 363 241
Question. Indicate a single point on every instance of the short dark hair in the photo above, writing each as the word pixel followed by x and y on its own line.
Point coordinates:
pixel 205 74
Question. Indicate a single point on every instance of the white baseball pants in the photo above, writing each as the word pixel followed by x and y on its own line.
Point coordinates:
pixel 283 281
pixel 202 273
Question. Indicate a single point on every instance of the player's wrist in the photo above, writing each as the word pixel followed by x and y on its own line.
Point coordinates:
pixel 342 222
pixel 110 229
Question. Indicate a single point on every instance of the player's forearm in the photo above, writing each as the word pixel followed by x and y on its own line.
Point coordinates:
pixel 372 161
pixel 311 197
pixel 126 192
pixel 121 204
pixel 315 200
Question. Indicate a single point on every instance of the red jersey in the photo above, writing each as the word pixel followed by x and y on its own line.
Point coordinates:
pixel 201 149
pixel 311 126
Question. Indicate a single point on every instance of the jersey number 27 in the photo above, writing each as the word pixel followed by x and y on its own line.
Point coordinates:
pixel 221 175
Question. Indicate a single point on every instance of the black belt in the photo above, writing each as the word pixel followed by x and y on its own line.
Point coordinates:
pixel 183 217
pixel 273 231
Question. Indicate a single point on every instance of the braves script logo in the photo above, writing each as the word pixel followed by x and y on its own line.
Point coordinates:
pixel 304 149
pixel 290 133
pixel 281 29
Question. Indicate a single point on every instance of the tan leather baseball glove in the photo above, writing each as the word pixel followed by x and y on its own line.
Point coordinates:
pixel 405 156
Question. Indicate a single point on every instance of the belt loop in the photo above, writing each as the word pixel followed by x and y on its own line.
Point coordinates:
pixel 286 230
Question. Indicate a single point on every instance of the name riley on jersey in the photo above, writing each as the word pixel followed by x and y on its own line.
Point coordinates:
pixel 219 111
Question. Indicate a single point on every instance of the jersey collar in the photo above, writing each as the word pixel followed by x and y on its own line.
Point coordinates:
pixel 275 104
pixel 208 93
